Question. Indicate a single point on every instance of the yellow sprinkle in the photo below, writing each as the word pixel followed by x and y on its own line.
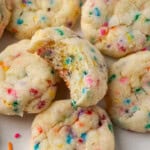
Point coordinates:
pixel 129 37
pixel 6 103
pixel 116 101
pixel 51 93
pixel 60 145
pixel 35 18
pixel 22 5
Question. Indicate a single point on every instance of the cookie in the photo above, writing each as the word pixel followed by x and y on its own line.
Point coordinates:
pixel 30 15
pixel 117 27
pixel 78 62
pixel 129 92
pixel 5 13
pixel 83 129
pixel 27 82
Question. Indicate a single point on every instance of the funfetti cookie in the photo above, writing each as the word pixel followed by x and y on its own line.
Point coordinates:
pixel 62 128
pixel 78 62
pixel 27 82
pixel 128 99
pixel 30 15
pixel 5 13
pixel 117 27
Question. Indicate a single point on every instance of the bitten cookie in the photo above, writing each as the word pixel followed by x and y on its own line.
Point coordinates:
pixel 78 62
pixel 30 15
pixel 117 27
pixel 27 82
pixel 62 128
pixel 5 13
pixel 128 97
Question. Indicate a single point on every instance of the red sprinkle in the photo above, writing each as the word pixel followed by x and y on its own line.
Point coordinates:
pixel 11 92
pixel 80 140
pixel 17 135
pixel 34 91
pixel 89 112
pixel 41 104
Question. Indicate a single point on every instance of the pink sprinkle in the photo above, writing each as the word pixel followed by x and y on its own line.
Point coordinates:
pixel 103 31
pixel 17 135
pixel 123 80
pixel 89 80
pixel 33 91
pixel 144 49
pixel 105 24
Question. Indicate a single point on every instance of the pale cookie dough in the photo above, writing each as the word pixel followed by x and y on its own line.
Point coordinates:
pixel 78 62
pixel 117 27
pixel 62 128
pixel 27 82
pixel 128 97
pixel 30 15
pixel 5 13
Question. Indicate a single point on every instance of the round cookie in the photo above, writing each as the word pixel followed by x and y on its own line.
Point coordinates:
pixel 83 129
pixel 5 13
pixel 29 16
pixel 27 82
pixel 128 98
pixel 78 62
pixel 117 27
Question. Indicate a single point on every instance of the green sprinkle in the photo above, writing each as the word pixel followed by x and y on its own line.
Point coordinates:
pixel 15 103
pixel 85 73
pixel 73 104
pixel 136 17
pixel 147 126
pixel 147 37
pixel 135 108
pixel 90 13
pixel 137 90
pixel 149 114
pixel 111 78
pixel 147 20
pixel 110 127
pixel 93 50
pixel 60 32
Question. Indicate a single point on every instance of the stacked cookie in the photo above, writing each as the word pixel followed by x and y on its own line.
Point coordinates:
pixel 30 69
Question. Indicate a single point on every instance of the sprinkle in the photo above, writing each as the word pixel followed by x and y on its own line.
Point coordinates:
pixel 73 104
pixel 147 37
pixel 110 127
pixel 33 91
pixel 137 90
pixel 89 80
pixel 43 18
pixel 83 136
pixel 10 146
pixel 69 139
pixel 69 60
pixel 103 31
pixel 89 112
pixel 41 104
pixel 136 17
pixel 93 50
pixel 147 126
pixel 147 20
pixel 15 103
pixel 135 108
pixel 60 32
pixel 111 78
pixel 17 135
pixel 149 114
pixel 11 92
pixel 84 90
pixel 40 130
pixel 80 140
pixel 20 21
pixel 123 80
pixel 85 73
pixel 37 146
pixel 97 11
pixel 127 101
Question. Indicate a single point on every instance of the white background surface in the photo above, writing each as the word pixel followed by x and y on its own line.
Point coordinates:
pixel 125 140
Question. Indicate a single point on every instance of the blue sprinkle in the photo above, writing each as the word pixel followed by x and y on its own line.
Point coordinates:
pixel 97 12
pixel 43 18
pixel 69 60
pixel 69 139
pixel 29 2
pixel 20 21
pixel 85 73
pixel 127 101
pixel 37 146
pixel 83 136
pixel 84 90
